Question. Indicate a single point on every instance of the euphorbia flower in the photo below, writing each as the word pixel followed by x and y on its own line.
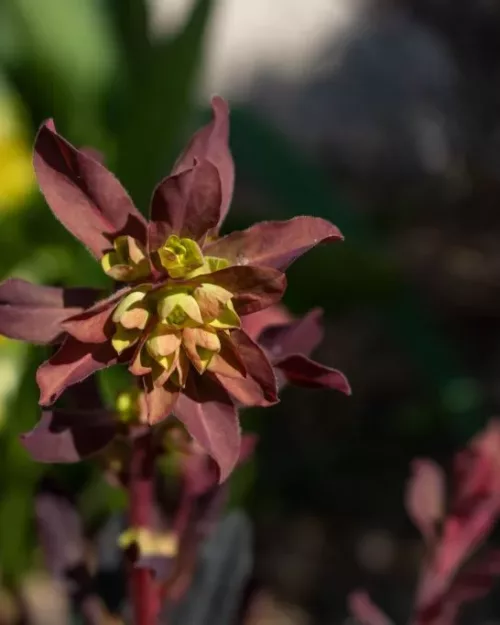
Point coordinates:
pixel 177 320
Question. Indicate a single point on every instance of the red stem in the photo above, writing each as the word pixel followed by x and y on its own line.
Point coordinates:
pixel 141 487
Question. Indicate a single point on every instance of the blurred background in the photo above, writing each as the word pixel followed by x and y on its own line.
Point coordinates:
pixel 380 115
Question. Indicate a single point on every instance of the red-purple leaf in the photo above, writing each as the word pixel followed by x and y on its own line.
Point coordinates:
pixel 86 198
pixel 94 325
pixel 273 317
pixel 200 473
pixel 211 419
pixel 257 366
pixel 474 510
pixel 186 204
pixel 211 143
pixel 245 391
pixel 72 363
pixel 300 336
pixel 471 583
pixel 477 468
pixel 477 579
pixel 365 611
pixel 274 243
pixel 69 436
pixel 34 313
pixel 84 396
pixel 254 288
pixel 200 470
pixel 160 400
pixel 425 497
pixel 302 371
pixel 93 153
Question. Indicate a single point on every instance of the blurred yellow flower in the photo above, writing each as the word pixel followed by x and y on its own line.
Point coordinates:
pixel 12 363
pixel 17 179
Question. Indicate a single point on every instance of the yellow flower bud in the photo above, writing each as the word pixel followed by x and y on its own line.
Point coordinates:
pixel 178 308
pixel 150 543
pixel 228 318
pixel 180 256
pixel 132 311
pixel 127 406
pixel 200 345
pixel 127 262
pixel 123 338
pixel 212 300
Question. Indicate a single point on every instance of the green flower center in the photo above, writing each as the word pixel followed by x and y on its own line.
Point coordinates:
pixel 178 326
pixel 180 256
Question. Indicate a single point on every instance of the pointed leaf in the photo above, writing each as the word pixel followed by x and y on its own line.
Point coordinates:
pixel 273 317
pixel 303 371
pixel 474 510
pixel 93 153
pixel 63 436
pixel 86 198
pixel 365 611
pixel 94 325
pixel 160 401
pixel 257 366
pixel 187 204
pixel 212 143
pixel 210 417
pixel 72 363
pixel 299 336
pixel 425 497
pixel 200 471
pixel 34 313
pixel 274 243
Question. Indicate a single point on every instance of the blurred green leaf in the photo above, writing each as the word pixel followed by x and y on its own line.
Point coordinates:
pixel 18 478
pixel 131 19
pixel 113 381
pixel 98 500
pixel 159 106
pixel 70 54
pixel 10 43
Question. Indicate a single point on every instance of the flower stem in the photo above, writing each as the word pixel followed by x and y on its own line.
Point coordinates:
pixel 141 487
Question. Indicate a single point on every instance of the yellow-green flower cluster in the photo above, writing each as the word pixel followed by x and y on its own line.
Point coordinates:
pixel 177 325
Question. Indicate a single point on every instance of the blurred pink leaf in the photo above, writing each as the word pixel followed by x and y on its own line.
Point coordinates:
pixel 425 497
pixel 365 611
